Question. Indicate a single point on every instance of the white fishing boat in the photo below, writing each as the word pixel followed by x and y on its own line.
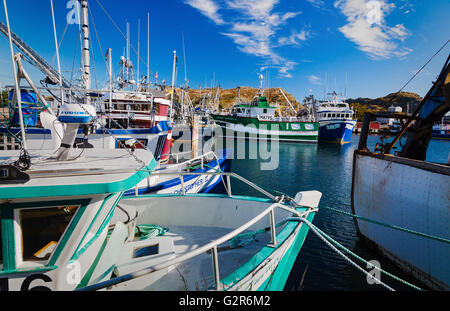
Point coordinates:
pixel 125 119
pixel 65 227
pixel 405 191
pixel 62 228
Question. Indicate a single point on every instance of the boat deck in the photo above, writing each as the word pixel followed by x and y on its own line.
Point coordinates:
pixel 196 274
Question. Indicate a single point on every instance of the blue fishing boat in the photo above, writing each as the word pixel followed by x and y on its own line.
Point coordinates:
pixel 335 117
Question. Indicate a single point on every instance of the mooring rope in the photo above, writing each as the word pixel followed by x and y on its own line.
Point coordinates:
pixel 330 241
pixel 421 234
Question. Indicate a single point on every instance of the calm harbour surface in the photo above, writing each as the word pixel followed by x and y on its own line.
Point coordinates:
pixel 326 168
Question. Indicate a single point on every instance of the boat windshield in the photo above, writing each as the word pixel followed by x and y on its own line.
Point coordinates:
pixel 42 228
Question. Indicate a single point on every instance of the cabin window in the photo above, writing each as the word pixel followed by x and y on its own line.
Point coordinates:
pixel 333 115
pixel 265 111
pixel 42 228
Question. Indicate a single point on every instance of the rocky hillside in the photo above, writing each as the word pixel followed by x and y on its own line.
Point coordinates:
pixel 228 97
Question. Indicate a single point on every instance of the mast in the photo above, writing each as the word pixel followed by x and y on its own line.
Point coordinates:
pixel 173 83
pixel 86 48
pixel 261 91
pixel 148 49
pixel 128 52
pixel 139 40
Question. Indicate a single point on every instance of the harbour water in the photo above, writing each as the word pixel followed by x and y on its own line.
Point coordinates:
pixel 328 169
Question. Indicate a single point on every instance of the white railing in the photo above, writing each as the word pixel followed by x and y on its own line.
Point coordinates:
pixel 228 176
pixel 210 247
pixel 282 119
pixel 202 157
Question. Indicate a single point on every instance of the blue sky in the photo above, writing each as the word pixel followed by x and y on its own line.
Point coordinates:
pixel 298 45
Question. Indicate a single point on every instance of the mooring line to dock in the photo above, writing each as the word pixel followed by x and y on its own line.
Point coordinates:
pixel 421 234
pixel 330 241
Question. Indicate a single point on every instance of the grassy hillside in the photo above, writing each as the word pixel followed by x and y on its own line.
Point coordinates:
pixel 406 100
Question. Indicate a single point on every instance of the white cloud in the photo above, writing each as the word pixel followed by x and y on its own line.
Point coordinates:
pixel 294 38
pixel 314 79
pixel 208 8
pixel 368 30
pixel 253 26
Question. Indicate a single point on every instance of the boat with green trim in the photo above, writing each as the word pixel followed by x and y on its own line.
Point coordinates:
pixel 257 120
pixel 66 226
pixel 65 223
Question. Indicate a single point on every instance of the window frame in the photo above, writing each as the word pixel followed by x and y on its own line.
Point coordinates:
pixel 12 234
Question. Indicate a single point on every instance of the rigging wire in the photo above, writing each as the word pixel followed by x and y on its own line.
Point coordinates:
pixel 423 67
pixel 97 37
pixel 60 42
pixel 120 31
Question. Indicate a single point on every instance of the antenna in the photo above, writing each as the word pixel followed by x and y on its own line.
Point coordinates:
pixel 345 89
pixel 128 50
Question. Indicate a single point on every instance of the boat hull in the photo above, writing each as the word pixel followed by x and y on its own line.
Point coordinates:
pixel 441 134
pixel 409 194
pixel 253 128
pixel 191 183
pixel 338 132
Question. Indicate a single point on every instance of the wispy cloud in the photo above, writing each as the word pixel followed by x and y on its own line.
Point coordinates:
pixel 253 26
pixel 208 8
pixel 314 79
pixel 295 38
pixel 367 28
pixel 319 4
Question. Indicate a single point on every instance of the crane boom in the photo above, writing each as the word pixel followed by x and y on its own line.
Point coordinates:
pixel 35 59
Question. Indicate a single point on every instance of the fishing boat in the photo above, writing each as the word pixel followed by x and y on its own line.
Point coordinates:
pixel 125 119
pixel 257 120
pixel 442 129
pixel 404 190
pixel 65 223
pixel 335 117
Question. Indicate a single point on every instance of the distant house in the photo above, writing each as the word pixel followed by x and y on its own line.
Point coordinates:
pixel 374 127
pixel 390 121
